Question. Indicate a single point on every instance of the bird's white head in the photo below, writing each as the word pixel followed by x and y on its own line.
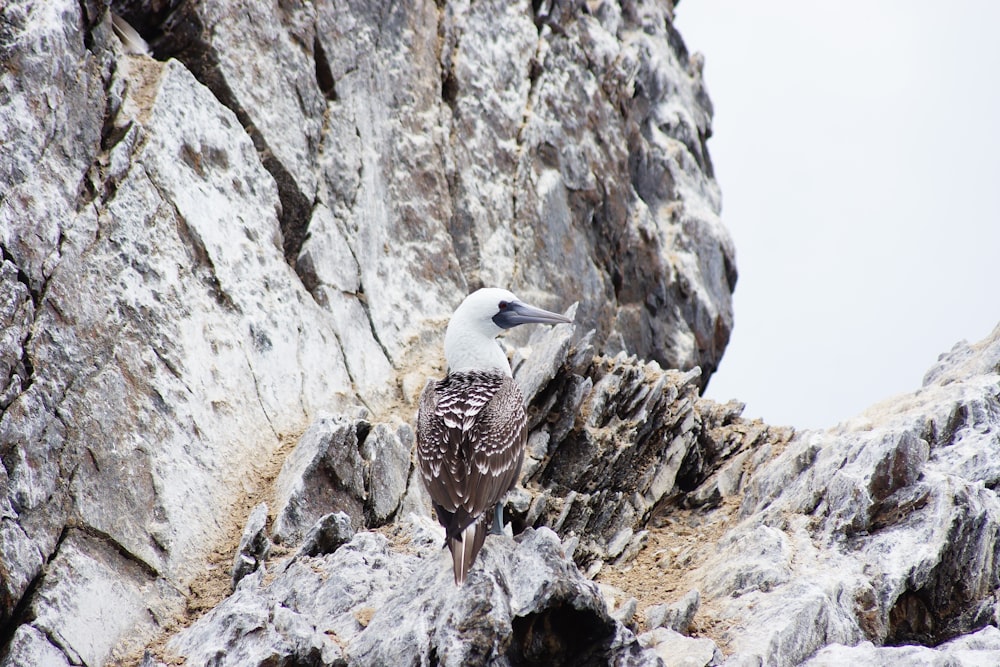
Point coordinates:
pixel 469 343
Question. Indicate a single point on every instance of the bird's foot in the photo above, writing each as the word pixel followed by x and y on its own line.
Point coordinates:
pixel 497 528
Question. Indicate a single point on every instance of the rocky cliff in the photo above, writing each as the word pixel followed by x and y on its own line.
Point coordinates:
pixel 231 242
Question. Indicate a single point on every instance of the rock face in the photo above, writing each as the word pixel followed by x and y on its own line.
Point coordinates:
pixel 272 218
pixel 875 542
pixel 885 529
pixel 368 603
pixel 225 274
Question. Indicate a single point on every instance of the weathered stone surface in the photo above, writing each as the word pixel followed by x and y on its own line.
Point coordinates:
pixel 330 533
pixel 342 465
pixel 16 314
pixel 251 628
pixel 158 330
pixel 614 439
pixel 445 139
pixel 330 271
pixel 979 649
pixel 254 545
pixel 280 104
pixel 324 473
pixel 52 109
pixel 92 597
pixel 387 454
pixel 676 616
pixel 20 559
pixel 157 360
pixel 202 255
pixel 30 647
pixel 613 180
pixel 369 603
pixel 676 649
pixel 885 529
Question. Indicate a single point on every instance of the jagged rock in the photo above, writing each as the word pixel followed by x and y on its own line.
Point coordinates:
pixel 29 646
pixel 676 616
pixel 203 255
pixel 281 104
pixel 168 231
pixel 51 116
pixel 397 120
pixel 251 628
pixel 620 604
pixel 16 314
pixel 884 529
pixel 323 474
pixel 330 272
pixel 371 604
pixel 254 545
pixel 157 365
pixel 387 456
pixel 978 649
pixel 91 595
pixel 21 559
pixel 342 465
pixel 677 650
pixel 615 439
pixel 330 533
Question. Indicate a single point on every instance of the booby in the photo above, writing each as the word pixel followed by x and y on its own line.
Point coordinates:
pixel 471 426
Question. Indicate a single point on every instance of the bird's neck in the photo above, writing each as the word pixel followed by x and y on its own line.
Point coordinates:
pixel 473 351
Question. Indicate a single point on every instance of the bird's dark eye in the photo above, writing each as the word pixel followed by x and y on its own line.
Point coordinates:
pixel 503 305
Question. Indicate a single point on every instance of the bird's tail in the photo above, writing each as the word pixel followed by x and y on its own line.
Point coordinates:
pixel 465 547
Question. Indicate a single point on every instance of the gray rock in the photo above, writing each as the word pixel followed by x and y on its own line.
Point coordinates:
pixel 254 545
pixel 21 558
pixel 979 649
pixel 28 646
pixel 386 452
pixel 620 604
pixel 324 473
pixel 676 616
pixel 52 110
pixel 616 439
pixel 881 531
pixel 342 465
pixel 255 629
pixel 150 210
pixel 330 271
pixel 677 650
pixel 202 256
pixel 93 601
pixel 281 105
pixel 330 533
pixel 454 161
pixel 157 365
pixel 16 315
pixel 524 601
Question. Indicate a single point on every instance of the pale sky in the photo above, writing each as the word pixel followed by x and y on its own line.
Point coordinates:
pixel 858 151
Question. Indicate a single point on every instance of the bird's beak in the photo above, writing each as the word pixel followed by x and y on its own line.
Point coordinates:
pixel 518 312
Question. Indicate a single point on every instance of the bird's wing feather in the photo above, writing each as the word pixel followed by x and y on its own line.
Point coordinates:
pixel 497 440
pixel 471 431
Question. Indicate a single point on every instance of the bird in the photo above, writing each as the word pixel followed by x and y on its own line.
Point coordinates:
pixel 471 425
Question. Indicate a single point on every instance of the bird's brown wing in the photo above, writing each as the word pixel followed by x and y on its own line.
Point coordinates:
pixel 471 431
pixel 496 446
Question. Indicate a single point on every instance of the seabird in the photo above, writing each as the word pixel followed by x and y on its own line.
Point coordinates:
pixel 471 427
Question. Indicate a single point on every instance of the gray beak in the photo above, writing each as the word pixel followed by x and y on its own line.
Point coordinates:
pixel 518 312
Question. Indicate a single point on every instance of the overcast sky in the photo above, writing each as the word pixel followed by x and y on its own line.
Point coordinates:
pixel 858 151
